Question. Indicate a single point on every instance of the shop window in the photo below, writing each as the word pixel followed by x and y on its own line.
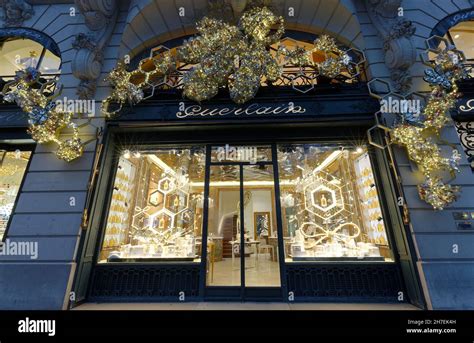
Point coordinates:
pixel 330 204
pixel 156 209
pixel 12 169
pixel 19 53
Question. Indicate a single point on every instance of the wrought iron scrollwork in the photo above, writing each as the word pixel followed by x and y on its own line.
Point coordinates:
pixel 466 134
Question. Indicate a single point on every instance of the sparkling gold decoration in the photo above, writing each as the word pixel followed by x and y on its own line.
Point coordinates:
pixel 234 56
pixel 333 233
pixel 326 56
pixel 45 119
pixel 420 135
pixel 123 90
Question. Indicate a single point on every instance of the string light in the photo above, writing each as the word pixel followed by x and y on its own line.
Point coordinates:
pixel 421 140
pixel 234 56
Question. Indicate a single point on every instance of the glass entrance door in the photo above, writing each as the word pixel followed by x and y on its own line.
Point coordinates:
pixel 242 245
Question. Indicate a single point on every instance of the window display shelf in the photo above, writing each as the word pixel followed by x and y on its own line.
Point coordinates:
pixel 119 214
pixel 370 205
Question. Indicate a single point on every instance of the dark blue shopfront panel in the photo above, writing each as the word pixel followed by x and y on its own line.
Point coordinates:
pixel 33 286
pixel 13 118
pixel 332 104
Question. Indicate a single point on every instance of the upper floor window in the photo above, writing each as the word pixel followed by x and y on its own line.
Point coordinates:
pixel 462 37
pixel 300 79
pixel 21 53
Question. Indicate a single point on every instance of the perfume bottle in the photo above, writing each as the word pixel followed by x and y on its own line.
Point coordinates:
pixel 324 202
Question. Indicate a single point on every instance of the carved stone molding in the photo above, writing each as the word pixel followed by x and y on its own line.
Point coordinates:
pixel 15 12
pixel 400 52
pixel 100 17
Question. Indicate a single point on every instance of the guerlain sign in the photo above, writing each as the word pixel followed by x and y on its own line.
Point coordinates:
pixel 255 109
pixel 467 106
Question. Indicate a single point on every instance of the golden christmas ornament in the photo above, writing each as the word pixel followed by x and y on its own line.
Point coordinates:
pixel 45 118
pixel 420 136
pixel 234 56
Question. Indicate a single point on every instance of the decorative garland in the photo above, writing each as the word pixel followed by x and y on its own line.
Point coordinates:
pixel 46 120
pixel 224 55
pixel 420 134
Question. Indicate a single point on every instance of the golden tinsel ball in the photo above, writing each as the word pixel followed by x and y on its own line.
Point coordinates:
pixel 331 67
pixel 70 149
pixel 198 86
pixel 257 24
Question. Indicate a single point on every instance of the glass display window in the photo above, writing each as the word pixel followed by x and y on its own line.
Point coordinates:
pixel 330 204
pixel 19 53
pixel 462 37
pixel 156 209
pixel 13 165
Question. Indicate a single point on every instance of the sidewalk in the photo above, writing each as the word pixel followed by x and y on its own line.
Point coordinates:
pixel 247 306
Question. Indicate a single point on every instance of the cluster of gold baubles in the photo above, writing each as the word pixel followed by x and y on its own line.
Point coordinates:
pixel 223 55
pixel 421 140
pixel 46 120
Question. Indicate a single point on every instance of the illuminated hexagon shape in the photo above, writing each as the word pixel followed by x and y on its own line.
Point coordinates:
pixel 162 220
pixel 360 56
pixel 331 205
pixel 302 83
pixel 436 44
pixel 186 216
pixel 378 88
pixel 426 58
pixel 371 138
pixel 157 199
pixel 148 91
pixel 158 51
pixel 147 65
pixel 140 220
pixel 157 79
pixel 323 198
pixel 166 185
pixel 176 201
pixel 138 78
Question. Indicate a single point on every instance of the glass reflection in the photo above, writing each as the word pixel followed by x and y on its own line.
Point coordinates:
pixel 330 204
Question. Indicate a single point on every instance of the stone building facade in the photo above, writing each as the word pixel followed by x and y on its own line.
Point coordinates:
pixel 93 35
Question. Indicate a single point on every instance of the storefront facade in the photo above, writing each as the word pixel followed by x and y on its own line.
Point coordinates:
pixel 283 198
